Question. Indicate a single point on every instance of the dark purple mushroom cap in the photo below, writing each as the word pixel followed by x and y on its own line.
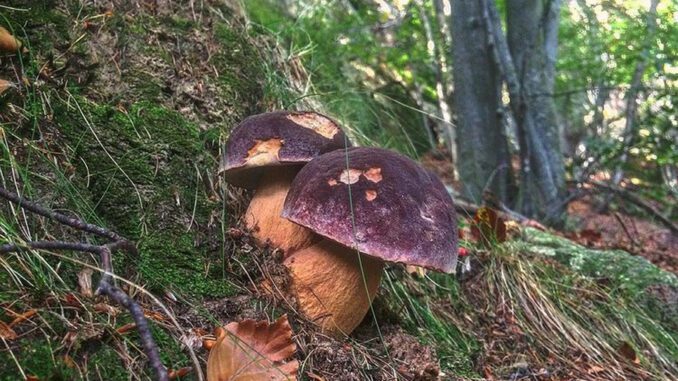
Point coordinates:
pixel 274 139
pixel 402 212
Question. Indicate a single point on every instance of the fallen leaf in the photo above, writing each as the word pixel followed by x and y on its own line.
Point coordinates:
pixel 126 328
pixel 69 362
pixel 106 309
pixel 626 351
pixel 487 227
pixel 32 378
pixel 154 315
pixel 181 372
pixel 8 43
pixel 18 318
pixel 250 350
pixel 6 332
pixel 5 85
pixel 417 271
pixel 589 236
pixel 85 282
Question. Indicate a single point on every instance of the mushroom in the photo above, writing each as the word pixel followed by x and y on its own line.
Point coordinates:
pixel 264 152
pixel 371 206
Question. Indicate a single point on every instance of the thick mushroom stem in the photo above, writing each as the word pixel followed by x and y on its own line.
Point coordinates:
pixel 329 285
pixel 263 213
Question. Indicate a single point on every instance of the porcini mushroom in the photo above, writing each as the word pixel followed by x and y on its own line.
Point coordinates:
pixel 264 152
pixel 371 201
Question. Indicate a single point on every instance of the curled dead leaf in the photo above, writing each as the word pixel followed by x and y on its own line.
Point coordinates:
pixel 626 351
pixel 129 327
pixel 5 85
pixel 8 43
pixel 18 318
pixel 488 227
pixel 250 350
pixel 178 373
pixel 6 332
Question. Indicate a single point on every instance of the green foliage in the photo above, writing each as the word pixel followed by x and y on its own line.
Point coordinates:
pixel 359 79
pixel 601 44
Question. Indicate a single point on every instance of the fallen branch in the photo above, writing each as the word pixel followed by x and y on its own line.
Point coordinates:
pixel 630 196
pixel 106 284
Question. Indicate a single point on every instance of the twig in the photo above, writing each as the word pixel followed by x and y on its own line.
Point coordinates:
pixel 626 231
pixel 69 221
pixel 106 286
pixel 629 196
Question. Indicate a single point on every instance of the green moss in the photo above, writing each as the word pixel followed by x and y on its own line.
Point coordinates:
pixel 36 358
pixel 628 273
pixel 41 29
pixel 143 169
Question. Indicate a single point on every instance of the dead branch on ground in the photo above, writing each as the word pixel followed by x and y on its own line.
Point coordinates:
pixel 106 284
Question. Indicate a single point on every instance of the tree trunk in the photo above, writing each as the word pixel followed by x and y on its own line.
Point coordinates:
pixel 444 86
pixel 482 145
pixel 532 41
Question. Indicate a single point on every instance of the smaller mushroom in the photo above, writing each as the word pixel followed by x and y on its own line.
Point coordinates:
pixel 371 206
pixel 264 153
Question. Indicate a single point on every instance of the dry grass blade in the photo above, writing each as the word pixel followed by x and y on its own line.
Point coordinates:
pixel 575 325
pixel 251 350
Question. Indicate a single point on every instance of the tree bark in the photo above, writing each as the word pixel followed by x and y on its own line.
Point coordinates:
pixel 532 41
pixel 484 162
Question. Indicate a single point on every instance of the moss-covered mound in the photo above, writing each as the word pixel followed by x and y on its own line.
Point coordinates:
pixel 116 117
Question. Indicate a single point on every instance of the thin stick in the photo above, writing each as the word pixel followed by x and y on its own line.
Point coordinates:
pixel 106 285
pixel 69 221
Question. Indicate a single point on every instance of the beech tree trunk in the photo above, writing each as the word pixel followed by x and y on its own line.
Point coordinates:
pixel 532 27
pixel 482 145
pixel 524 58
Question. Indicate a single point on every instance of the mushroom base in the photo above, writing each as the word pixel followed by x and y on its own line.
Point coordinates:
pixel 263 214
pixel 328 284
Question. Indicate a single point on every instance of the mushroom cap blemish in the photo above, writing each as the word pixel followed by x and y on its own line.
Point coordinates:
pixel 402 212
pixel 277 139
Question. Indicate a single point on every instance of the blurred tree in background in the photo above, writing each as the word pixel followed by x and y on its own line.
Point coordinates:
pixel 530 99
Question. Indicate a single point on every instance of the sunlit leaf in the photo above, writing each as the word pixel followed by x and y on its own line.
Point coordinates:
pixel 488 227
pixel 252 351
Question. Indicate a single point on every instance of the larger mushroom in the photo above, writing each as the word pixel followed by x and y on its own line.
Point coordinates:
pixel 370 201
pixel 264 153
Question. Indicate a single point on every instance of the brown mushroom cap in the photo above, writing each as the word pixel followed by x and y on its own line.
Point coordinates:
pixel 276 139
pixel 402 212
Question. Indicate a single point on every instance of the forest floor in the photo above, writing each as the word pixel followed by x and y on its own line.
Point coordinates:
pixel 116 116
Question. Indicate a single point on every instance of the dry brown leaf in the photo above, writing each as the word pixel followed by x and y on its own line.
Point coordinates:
pixel 253 351
pixel 626 351
pixel 416 271
pixel 18 318
pixel 126 328
pixel 6 332
pixel 8 43
pixel 181 372
pixel 5 85
pixel 106 309
pixel 85 282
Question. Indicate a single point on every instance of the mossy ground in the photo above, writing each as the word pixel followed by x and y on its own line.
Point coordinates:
pixel 117 119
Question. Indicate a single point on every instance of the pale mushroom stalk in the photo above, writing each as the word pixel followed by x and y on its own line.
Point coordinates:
pixel 332 289
pixel 263 214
